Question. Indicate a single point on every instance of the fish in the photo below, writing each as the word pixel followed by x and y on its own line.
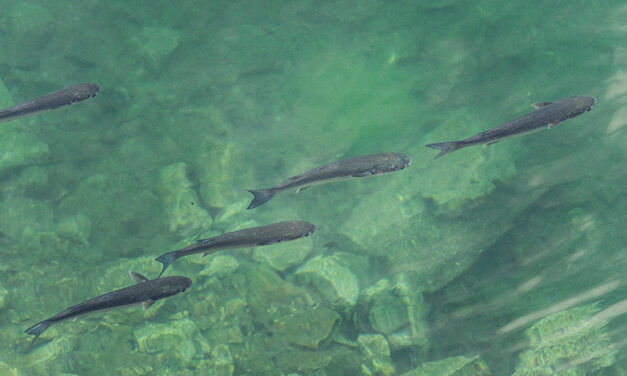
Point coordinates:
pixel 144 292
pixel 547 115
pixel 69 95
pixel 249 237
pixel 358 167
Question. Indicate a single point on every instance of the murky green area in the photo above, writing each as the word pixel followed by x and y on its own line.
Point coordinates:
pixel 505 260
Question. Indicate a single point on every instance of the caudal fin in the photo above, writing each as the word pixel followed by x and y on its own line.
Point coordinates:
pixel 261 197
pixel 445 147
pixel 38 328
pixel 166 260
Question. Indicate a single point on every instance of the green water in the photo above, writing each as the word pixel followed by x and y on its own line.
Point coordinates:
pixel 505 260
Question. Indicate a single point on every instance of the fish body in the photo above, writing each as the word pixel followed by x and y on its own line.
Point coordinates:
pixel 63 97
pixel 145 291
pixel 367 165
pixel 250 237
pixel 547 115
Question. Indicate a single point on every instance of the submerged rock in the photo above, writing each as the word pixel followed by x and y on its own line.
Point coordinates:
pixel 221 266
pixel 572 342
pixel 336 283
pixel 306 328
pixel 284 255
pixel 376 353
pixel 3 295
pixel 174 339
pixel 76 228
pixel 52 358
pixel 20 149
pixel 455 366
pixel 7 370
pixel 183 211
pixel 220 183
pixel 221 363
pixel 155 43
pixel 395 310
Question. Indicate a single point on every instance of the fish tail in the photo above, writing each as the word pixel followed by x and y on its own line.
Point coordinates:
pixel 166 259
pixel 38 328
pixel 445 147
pixel 261 197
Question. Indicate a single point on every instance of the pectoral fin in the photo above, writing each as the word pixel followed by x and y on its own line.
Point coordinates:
pixel 147 304
pixel 364 173
pixel 551 125
pixel 137 277
pixel 489 143
pixel 266 242
pixel 301 189
pixel 540 104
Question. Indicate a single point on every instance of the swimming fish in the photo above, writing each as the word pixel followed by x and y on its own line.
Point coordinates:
pixel 67 96
pixel 367 165
pixel 547 114
pixel 145 291
pixel 250 237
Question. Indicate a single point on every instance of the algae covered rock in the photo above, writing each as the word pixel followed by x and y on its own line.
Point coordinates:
pixel 221 183
pixel 336 283
pixel 221 266
pixel 52 358
pixel 306 328
pixel 284 255
pixel 376 353
pixel 455 366
pixel 20 149
pixel 571 342
pixel 7 370
pixel 185 216
pixel 3 296
pixel 395 310
pixel 176 339
pixel 76 228
pixel 155 43
pixel 27 26
pixel 270 297
pixel 221 363
pixel 286 310
pixel 303 360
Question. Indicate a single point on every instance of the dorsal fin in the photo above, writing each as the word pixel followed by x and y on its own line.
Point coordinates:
pixel 540 104
pixel 138 278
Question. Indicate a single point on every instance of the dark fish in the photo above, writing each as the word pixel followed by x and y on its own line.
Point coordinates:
pixel 367 165
pixel 548 114
pixel 145 291
pixel 67 96
pixel 250 237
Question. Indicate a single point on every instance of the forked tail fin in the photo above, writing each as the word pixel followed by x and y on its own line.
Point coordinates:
pixel 38 328
pixel 166 259
pixel 445 147
pixel 261 197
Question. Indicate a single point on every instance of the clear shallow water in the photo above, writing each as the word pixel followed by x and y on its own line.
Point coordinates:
pixel 514 253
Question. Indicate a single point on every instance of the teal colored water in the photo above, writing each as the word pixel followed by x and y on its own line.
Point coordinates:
pixel 504 260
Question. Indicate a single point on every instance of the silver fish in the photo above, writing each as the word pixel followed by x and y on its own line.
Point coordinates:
pixel 63 97
pixel 250 237
pixel 367 165
pixel 145 291
pixel 546 115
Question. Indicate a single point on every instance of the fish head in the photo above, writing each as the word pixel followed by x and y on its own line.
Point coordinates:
pixel 84 91
pixel 579 104
pixel 398 161
pixel 173 285
pixel 308 229
pixel 297 230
